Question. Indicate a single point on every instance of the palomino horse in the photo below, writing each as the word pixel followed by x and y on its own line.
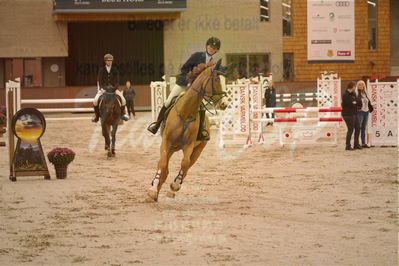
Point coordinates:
pixel 180 130
pixel 110 113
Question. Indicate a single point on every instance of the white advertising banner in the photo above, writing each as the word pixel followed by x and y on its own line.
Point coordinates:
pixel 331 31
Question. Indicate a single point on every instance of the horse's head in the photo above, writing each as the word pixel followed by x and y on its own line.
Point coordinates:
pixel 212 86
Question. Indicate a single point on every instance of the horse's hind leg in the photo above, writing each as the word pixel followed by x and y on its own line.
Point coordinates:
pixel 161 174
pixel 190 155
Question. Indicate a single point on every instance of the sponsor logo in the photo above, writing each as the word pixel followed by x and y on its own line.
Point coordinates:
pixel 319 30
pixel 164 2
pixel 331 16
pixel 344 16
pixel 342 3
pixel 330 53
pixel 335 30
pixel 318 17
pixel 320 41
pixel 344 30
pixel 344 53
pixel 81 2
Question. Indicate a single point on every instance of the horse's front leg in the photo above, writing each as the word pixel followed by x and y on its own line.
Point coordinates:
pixel 105 131
pixel 162 172
pixel 113 135
pixel 184 166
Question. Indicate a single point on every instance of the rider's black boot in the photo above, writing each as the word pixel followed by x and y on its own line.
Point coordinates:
pixel 153 127
pixel 203 134
pixel 96 113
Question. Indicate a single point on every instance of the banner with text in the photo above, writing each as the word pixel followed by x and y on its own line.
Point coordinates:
pixel 107 6
pixel 331 31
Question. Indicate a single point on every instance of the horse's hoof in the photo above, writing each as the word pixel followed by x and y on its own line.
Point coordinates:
pixel 170 194
pixel 153 193
pixel 175 186
pixel 149 200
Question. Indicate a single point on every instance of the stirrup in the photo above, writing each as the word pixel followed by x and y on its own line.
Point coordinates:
pixel 125 117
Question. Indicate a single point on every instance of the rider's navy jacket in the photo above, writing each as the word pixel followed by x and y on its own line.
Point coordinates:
pixel 194 60
pixel 110 79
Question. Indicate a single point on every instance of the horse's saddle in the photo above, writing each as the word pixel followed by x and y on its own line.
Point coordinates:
pixel 118 98
pixel 172 104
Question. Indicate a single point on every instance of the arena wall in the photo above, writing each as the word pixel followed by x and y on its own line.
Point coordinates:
pixel 297 44
pixel 236 23
pixel 28 30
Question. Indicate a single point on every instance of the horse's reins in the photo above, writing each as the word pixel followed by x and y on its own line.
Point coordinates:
pixel 207 98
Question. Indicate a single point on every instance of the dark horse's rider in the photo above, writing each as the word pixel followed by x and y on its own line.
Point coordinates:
pixel 212 47
pixel 108 79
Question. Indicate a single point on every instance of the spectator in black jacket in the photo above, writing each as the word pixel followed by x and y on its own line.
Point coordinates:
pixel 350 106
pixel 270 99
pixel 212 47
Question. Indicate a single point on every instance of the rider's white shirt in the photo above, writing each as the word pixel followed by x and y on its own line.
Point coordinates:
pixel 208 58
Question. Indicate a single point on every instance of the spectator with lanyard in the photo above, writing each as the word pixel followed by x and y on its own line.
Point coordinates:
pixel 364 110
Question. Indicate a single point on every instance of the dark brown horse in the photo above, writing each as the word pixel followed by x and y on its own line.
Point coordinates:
pixel 181 127
pixel 110 113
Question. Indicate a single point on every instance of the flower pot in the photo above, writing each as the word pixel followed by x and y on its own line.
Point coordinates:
pixel 61 172
pixel 2 130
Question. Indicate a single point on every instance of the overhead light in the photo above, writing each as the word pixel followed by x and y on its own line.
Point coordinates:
pixel 264 16
pixel 286 5
pixel 263 7
pixel 371 3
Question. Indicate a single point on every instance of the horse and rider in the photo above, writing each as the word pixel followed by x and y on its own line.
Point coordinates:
pixel 108 81
pixel 186 127
pixel 212 46
pixel 109 103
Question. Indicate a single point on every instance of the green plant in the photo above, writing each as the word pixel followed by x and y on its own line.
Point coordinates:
pixel 61 156
pixel 3 119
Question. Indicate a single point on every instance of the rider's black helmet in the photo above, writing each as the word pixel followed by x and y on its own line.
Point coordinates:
pixel 213 41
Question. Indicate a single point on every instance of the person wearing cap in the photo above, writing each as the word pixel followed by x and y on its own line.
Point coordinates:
pixel 108 79
pixel 212 47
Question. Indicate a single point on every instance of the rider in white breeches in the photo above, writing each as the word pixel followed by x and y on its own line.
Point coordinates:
pixel 108 78
pixel 212 47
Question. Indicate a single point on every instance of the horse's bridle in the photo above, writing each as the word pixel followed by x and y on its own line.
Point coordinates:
pixel 203 93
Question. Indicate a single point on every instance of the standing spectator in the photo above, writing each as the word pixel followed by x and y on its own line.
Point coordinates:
pixel 363 113
pixel 350 105
pixel 270 99
pixel 129 93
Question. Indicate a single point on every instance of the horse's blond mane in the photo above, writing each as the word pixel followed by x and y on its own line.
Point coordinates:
pixel 193 74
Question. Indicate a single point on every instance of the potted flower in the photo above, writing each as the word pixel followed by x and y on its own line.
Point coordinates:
pixel 61 157
pixel 3 122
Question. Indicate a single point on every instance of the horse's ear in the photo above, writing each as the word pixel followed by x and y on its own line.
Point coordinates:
pixel 225 69
pixel 217 66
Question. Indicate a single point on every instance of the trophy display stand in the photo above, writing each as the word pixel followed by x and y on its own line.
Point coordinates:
pixel 28 125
